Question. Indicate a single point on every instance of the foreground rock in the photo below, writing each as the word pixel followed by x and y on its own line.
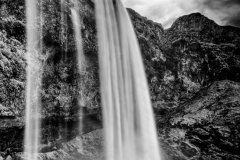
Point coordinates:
pixel 207 127
pixel 86 147
pixel 53 133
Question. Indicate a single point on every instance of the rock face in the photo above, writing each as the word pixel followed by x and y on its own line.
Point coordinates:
pixel 190 55
pixel 193 70
pixel 65 92
pixel 207 126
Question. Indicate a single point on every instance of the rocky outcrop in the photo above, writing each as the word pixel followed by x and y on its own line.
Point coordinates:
pixel 206 127
pixel 189 67
pixel 183 59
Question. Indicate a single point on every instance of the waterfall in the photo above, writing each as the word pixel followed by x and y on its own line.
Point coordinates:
pixel 33 101
pixel 78 38
pixel 129 127
pixel 80 55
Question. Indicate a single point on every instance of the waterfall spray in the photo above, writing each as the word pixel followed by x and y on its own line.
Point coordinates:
pixel 130 132
pixel 33 102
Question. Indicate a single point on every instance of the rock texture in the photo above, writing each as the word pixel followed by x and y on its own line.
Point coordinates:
pixel 190 55
pixel 86 147
pixel 193 70
pixel 207 126
pixel 65 92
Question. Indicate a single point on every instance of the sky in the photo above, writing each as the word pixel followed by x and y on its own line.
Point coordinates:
pixel 223 12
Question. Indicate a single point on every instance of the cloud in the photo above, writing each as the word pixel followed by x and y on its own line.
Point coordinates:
pixel 234 20
pixel 224 12
pixel 167 11
pixel 219 4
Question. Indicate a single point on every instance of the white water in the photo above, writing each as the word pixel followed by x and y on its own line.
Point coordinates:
pixel 78 38
pixel 64 30
pixel 33 102
pixel 80 55
pixel 129 126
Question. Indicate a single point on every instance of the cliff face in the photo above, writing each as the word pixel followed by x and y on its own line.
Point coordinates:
pixel 182 63
pixel 190 55
pixel 189 67
pixel 64 91
pixel 205 127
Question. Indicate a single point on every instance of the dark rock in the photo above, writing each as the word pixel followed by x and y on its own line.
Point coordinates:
pixel 187 57
pixel 87 147
pixel 206 126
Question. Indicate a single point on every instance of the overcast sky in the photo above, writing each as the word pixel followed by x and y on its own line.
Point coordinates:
pixel 223 12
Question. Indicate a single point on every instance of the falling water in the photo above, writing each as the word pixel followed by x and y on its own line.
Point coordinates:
pixel 64 29
pixel 129 127
pixel 78 38
pixel 80 55
pixel 33 104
